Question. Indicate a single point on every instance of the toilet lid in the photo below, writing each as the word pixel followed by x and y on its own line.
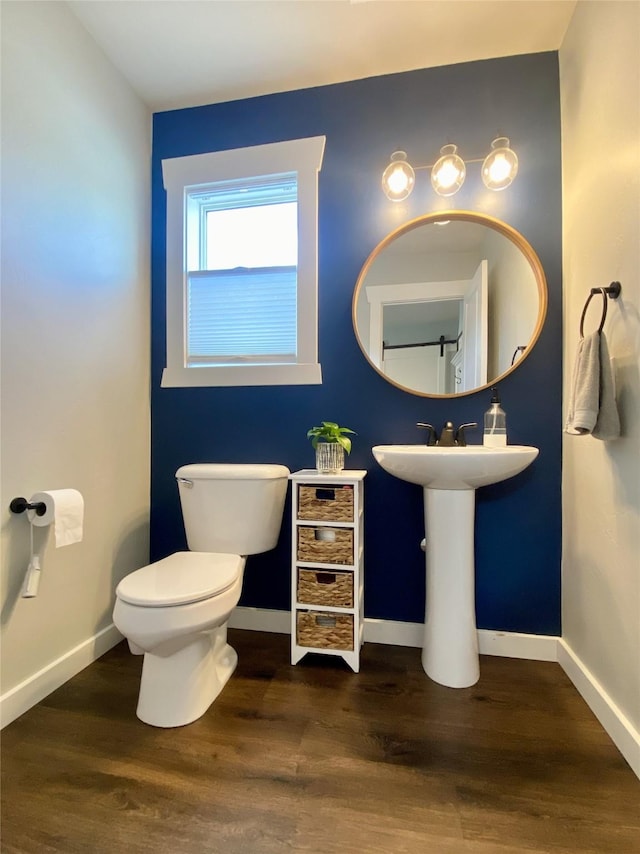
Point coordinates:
pixel 181 578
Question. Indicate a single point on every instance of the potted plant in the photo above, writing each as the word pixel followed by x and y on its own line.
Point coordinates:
pixel 330 443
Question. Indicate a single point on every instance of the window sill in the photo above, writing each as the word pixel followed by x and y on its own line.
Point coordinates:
pixel 242 375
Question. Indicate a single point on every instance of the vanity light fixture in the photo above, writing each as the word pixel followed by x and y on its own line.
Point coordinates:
pixel 398 178
pixel 500 167
pixel 448 173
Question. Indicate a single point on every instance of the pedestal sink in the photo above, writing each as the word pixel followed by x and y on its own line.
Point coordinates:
pixel 450 477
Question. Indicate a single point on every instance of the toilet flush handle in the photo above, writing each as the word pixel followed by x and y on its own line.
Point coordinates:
pixel 186 482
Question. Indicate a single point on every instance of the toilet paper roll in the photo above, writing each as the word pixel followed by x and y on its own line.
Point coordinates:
pixel 65 510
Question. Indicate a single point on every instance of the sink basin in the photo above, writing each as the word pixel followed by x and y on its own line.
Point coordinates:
pixel 449 477
pixel 436 467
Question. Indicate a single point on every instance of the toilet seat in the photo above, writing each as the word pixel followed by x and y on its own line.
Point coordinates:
pixel 180 579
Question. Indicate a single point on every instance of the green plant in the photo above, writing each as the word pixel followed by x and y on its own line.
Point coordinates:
pixel 328 431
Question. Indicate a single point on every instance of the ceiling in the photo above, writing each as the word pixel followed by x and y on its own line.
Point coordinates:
pixel 181 53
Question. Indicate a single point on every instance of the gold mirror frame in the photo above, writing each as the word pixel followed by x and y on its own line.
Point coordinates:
pixel 465 216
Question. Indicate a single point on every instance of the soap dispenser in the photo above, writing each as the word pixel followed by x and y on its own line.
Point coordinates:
pixel 495 423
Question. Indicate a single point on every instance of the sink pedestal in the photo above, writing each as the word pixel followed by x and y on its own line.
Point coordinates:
pixel 449 477
pixel 450 649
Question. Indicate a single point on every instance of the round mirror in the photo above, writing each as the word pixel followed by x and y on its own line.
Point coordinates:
pixel 449 303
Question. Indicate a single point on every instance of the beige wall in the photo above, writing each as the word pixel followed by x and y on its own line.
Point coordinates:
pixel 600 93
pixel 75 328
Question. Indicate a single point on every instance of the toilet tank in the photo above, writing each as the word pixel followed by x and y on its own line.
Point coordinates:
pixel 232 508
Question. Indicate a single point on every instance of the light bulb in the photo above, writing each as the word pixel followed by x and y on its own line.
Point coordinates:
pixel 500 167
pixel 398 178
pixel 449 171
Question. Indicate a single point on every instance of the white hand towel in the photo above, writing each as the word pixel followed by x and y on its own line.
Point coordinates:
pixel 608 424
pixel 584 402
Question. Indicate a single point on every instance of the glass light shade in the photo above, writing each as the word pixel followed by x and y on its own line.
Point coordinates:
pixel 398 178
pixel 449 172
pixel 500 167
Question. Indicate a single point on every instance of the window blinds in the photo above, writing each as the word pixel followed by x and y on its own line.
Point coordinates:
pixel 241 315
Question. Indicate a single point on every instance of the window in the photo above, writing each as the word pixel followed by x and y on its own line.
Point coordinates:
pixel 242 266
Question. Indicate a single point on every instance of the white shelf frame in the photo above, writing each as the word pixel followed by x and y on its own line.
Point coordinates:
pixel 311 477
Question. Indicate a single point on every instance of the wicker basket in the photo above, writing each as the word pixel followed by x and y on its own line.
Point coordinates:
pixel 317 587
pixel 325 503
pixel 324 631
pixel 325 545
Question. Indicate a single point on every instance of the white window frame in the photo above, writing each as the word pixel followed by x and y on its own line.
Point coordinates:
pixel 183 174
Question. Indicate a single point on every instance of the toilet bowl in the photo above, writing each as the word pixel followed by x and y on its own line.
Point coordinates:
pixel 175 611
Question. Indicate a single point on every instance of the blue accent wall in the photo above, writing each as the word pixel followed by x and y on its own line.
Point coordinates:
pixel 518 522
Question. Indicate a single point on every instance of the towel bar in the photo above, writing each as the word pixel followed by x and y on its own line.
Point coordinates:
pixel 612 292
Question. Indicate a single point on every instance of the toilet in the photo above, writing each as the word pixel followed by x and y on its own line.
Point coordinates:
pixel 175 611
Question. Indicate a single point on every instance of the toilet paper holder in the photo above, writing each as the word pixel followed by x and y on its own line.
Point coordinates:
pixel 19 505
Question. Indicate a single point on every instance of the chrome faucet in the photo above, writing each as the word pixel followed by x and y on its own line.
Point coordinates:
pixel 449 436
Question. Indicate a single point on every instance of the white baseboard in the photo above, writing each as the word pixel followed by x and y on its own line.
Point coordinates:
pixel 22 697
pixel 393 632
pixel 615 723
pixel 518 645
pixel 505 644
pixel 396 633
pixel 261 620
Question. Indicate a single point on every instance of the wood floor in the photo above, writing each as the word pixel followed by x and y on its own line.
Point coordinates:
pixel 315 758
